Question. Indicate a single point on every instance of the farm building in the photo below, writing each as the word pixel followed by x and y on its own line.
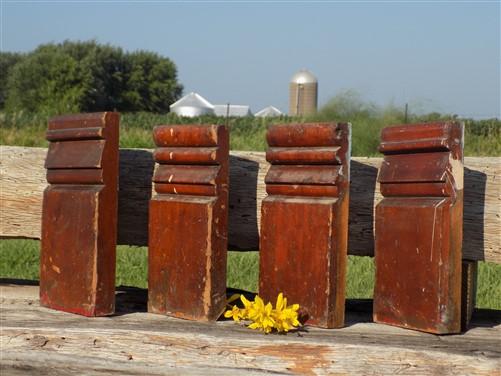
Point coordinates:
pixel 269 111
pixel 191 105
pixel 233 110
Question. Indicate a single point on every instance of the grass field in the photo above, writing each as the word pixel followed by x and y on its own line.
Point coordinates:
pixel 483 138
pixel 19 259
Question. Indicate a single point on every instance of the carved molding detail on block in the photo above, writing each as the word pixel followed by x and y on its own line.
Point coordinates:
pixel 304 220
pixel 79 215
pixel 188 222
pixel 419 226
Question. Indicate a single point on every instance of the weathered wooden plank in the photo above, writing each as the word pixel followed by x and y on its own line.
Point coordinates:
pixel 41 341
pixel 22 179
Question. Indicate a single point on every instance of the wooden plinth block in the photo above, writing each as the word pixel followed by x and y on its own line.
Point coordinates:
pixel 304 219
pixel 419 228
pixel 79 216
pixel 188 222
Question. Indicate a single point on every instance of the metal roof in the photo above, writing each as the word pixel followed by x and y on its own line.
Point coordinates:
pixel 234 110
pixel 192 100
pixel 269 111
pixel 303 77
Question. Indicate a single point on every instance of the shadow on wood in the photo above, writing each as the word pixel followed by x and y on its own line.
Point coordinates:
pixel 362 193
pixel 136 171
pixel 473 215
pixel 131 300
pixel 243 227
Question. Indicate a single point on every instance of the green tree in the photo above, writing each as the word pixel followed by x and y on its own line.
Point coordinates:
pixel 47 81
pixel 151 84
pixel 7 61
pixel 87 76
pixel 108 72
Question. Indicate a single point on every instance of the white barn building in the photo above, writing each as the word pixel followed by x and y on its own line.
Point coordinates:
pixel 192 105
pixel 233 110
pixel 269 111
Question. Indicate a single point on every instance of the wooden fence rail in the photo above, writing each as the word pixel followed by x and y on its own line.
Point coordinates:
pixel 39 341
pixel 22 179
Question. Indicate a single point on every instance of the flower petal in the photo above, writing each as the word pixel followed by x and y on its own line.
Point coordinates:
pixel 280 302
pixel 233 298
pixel 244 300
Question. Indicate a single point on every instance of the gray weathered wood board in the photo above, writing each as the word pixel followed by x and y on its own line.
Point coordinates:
pixel 23 180
pixel 37 340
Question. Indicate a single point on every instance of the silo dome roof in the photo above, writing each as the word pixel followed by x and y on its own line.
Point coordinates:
pixel 303 77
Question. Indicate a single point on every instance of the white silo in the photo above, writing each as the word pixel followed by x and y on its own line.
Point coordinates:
pixel 303 93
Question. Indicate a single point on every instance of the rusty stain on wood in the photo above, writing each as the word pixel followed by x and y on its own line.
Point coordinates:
pixel 304 359
pixel 79 216
pixel 419 234
pixel 188 231
pixel 304 231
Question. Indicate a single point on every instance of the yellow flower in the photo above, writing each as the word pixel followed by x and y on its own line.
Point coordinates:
pixel 280 302
pixel 234 312
pixel 264 317
pixel 247 303
pixel 286 317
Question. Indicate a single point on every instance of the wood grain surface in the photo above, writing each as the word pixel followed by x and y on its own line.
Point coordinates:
pixel 22 179
pixel 40 341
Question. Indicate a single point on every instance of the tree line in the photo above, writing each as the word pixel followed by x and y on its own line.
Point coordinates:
pixel 84 77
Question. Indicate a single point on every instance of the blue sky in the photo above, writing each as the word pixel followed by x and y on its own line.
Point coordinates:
pixel 438 56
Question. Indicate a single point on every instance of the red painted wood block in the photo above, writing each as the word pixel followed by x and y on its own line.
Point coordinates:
pixel 419 228
pixel 304 221
pixel 188 222
pixel 79 217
